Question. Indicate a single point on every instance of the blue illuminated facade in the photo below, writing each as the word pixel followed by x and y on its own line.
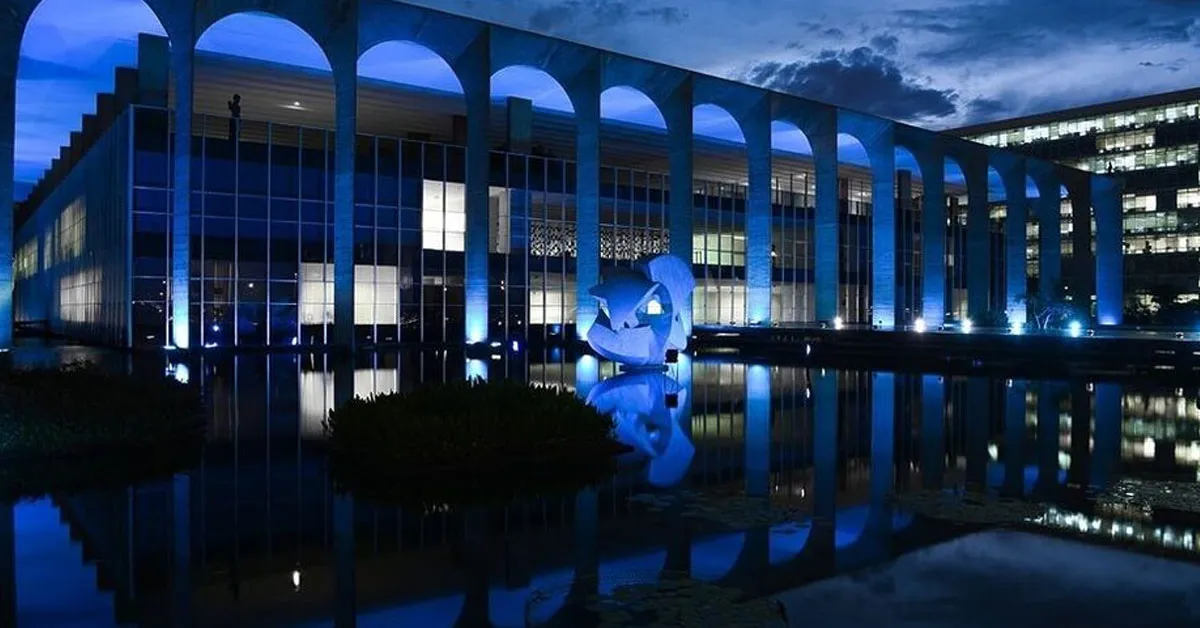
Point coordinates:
pixel 308 235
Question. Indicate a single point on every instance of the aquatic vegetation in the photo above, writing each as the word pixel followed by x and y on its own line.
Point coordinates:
pixel 81 409
pixel 469 439
pixel 968 508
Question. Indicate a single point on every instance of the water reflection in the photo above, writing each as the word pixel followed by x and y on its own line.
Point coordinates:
pixel 647 408
pixel 762 478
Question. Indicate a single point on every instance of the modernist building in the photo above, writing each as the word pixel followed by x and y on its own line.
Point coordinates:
pixel 373 214
pixel 1153 144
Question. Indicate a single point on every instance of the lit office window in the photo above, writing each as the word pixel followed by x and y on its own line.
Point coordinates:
pixel 444 216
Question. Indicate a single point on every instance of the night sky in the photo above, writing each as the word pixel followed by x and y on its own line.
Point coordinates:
pixel 935 63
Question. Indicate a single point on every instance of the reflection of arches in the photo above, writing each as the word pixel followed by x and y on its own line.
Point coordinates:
pixel 58 108
pixel 630 105
pixel 855 197
pixel 409 63
pixel 533 84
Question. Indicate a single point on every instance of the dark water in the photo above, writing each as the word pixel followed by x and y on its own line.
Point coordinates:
pixel 754 488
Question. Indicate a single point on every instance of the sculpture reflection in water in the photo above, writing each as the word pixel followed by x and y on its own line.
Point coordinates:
pixel 647 408
pixel 643 312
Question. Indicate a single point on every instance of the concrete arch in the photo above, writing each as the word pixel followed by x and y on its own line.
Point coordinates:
pixel 515 81
pixel 663 85
pixel 137 16
pixel 569 64
pixel 323 22
pixel 452 37
pixel 283 30
pixel 633 107
pixel 432 61
pixel 787 137
pixel 714 121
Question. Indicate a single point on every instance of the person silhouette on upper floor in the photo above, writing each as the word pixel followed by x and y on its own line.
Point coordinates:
pixel 235 116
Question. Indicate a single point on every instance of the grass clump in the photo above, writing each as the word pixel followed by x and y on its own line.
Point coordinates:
pixel 83 409
pixel 468 423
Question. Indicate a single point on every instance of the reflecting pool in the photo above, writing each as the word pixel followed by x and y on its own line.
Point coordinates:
pixel 754 495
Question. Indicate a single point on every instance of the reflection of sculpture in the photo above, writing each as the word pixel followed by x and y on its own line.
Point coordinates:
pixel 642 312
pixel 647 422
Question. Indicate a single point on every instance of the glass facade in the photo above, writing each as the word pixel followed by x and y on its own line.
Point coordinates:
pixel 262 239
pixel 1156 151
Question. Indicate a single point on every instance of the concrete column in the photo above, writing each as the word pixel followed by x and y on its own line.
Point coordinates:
pixel 933 431
pixel 585 97
pixel 153 59
pixel 10 42
pixel 182 69
pixel 933 239
pixel 1015 221
pixel 978 241
pixel 345 83
pixel 345 614
pixel 1014 438
pixel 825 453
pixel 1047 436
pixel 678 114
pixel 474 70
pixel 906 309
pixel 757 129
pixel 1110 268
pixel 1081 435
pixel 1082 272
pixel 758 430
pixel 977 417
pixel 181 578
pixel 883 229
pixel 883 454
pixel 827 230
pixel 1106 451
pixel 1049 212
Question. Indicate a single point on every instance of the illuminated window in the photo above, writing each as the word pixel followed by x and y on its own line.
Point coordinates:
pixel 444 217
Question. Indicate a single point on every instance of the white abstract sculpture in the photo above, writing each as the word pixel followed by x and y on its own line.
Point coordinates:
pixel 641 312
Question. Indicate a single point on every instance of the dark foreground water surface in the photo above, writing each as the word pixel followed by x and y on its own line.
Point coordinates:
pixel 758 495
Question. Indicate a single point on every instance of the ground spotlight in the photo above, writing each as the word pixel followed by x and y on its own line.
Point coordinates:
pixel 919 325
pixel 1074 328
pixel 967 326
pixel 838 323
pixel 1016 329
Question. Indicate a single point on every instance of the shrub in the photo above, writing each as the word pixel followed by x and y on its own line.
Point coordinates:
pixel 466 424
pixel 82 409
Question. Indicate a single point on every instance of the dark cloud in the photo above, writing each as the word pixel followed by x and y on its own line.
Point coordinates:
pixel 1010 29
pixel 835 33
pixel 985 109
pixel 1170 66
pixel 576 16
pixel 885 44
pixel 859 79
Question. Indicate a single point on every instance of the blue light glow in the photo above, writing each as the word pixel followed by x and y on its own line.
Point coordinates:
pixel 967 326
pixel 516 346
pixel 216 328
pixel 1074 329
pixel 1016 329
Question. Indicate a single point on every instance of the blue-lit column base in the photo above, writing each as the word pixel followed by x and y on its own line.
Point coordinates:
pixel 877 136
pixel 8 565
pixel 979 259
pixel 1014 438
pixel 883 452
pixel 933 240
pixel 474 70
pixel 758 216
pixel 345 82
pixel 1016 218
pixel 827 227
pixel 1110 287
pixel 933 431
pixel 758 430
pixel 825 459
pixel 182 58
pixel 678 114
pixel 585 97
